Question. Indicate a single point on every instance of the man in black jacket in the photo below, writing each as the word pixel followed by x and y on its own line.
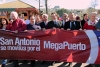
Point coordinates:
pixel 54 23
pixel 55 20
pixel 65 19
pixel 85 19
pixel 45 24
pixel 72 24
pixel 32 26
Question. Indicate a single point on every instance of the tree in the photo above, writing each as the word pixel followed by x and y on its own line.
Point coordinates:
pixel 94 3
pixel 61 11
pixel 56 7
pixel 90 10
pixel 46 6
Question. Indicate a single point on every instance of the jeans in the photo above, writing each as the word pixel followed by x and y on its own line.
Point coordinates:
pixel 15 62
pixel 4 61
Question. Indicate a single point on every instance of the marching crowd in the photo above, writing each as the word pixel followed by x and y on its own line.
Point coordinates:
pixel 68 22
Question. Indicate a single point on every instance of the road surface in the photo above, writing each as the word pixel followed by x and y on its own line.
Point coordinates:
pixel 38 64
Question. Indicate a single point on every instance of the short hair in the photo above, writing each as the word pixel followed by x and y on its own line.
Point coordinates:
pixel 85 14
pixel 37 16
pixel 53 13
pixel 31 16
pixel 15 14
pixel 93 13
pixel 71 13
pixel 45 15
pixel 65 14
pixel 19 14
pixel 78 18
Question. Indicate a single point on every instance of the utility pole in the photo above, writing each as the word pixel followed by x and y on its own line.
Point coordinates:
pixel 94 3
pixel 46 6
pixel 39 5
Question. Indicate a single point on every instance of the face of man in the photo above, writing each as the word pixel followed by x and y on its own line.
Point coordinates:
pixel 71 16
pixel 13 17
pixel 93 17
pixel 65 17
pixel 45 18
pixel 86 17
pixel 53 16
pixel 37 18
pixel 32 19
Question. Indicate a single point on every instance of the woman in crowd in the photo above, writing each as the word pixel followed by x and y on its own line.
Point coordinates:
pixel 3 24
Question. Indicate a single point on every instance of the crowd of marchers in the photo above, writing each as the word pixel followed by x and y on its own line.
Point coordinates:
pixel 67 22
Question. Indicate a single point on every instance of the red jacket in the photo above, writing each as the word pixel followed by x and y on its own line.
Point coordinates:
pixel 89 27
pixel 17 25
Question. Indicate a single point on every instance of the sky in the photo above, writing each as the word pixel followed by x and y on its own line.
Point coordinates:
pixel 68 4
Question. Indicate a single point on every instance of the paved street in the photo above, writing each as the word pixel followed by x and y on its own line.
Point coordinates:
pixel 38 64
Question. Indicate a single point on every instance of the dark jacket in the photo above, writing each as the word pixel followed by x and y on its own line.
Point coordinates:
pixel 68 25
pixel 49 25
pixel 62 26
pixel 83 22
pixel 98 24
pixel 30 27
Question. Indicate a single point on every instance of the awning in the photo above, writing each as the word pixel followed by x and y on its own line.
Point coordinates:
pixel 7 9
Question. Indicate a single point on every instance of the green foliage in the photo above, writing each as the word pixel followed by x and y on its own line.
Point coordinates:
pixel 61 11
pixel 90 10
